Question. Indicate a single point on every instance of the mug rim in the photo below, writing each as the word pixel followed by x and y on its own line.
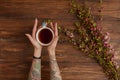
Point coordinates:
pixel 37 33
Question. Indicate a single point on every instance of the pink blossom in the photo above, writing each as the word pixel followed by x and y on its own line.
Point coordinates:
pixel 96 52
pixel 101 32
pixel 67 33
pixel 105 42
pixel 117 66
pixel 94 44
pixel 94 29
pixel 74 43
pixel 99 28
pixel 91 28
pixel 112 51
pixel 71 35
pixel 106 38
pixel 107 33
pixel 110 46
pixel 96 33
pixel 86 19
pixel 90 8
pixel 112 59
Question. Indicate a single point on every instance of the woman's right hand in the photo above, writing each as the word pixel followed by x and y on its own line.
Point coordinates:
pixel 52 46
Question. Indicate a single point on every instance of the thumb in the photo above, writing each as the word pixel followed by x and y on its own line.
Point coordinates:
pixel 34 43
pixel 30 38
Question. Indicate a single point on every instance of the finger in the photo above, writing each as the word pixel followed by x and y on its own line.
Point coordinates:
pixel 30 38
pixel 51 25
pixel 56 29
pixel 56 38
pixel 46 24
pixel 34 28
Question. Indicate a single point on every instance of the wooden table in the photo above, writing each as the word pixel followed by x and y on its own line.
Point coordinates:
pixel 17 18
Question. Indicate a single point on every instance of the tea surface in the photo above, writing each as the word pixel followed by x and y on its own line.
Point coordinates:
pixel 45 36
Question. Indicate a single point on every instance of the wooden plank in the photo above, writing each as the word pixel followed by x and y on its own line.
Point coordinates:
pixel 17 18
pixel 21 9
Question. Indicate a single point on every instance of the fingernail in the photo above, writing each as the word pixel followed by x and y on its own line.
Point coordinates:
pixel 26 34
pixel 36 19
pixel 55 23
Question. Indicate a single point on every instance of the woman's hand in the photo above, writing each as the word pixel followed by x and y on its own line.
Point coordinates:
pixel 52 46
pixel 32 38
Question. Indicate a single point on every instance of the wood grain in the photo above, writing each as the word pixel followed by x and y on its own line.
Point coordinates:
pixel 17 18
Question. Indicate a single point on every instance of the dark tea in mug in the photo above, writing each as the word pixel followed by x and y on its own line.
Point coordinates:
pixel 45 36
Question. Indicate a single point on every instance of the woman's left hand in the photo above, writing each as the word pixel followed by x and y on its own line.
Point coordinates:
pixel 32 38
